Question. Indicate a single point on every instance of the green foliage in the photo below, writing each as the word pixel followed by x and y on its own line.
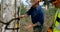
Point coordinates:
pixel 23 9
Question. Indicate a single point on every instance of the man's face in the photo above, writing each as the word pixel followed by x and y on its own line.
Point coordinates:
pixel 57 5
pixel 34 1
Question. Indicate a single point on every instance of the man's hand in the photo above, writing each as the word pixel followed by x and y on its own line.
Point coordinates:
pixel 22 16
pixel 30 26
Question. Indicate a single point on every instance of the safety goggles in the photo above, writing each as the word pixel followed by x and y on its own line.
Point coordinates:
pixel 52 1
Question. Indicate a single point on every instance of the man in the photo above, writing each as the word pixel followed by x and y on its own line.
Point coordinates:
pixel 37 16
pixel 56 24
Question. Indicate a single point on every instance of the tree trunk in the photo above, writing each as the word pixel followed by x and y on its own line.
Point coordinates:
pixel 7 12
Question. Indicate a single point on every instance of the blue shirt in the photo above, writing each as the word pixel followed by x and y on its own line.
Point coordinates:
pixel 37 15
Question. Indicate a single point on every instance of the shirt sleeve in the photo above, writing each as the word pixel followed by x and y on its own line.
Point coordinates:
pixel 38 23
pixel 29 12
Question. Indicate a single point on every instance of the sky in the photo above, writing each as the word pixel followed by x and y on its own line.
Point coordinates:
pixel 0 1
pixel 24 1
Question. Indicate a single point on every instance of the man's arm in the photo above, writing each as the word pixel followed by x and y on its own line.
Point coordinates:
pixel 34 6
pixel 22 16
pixel 32 25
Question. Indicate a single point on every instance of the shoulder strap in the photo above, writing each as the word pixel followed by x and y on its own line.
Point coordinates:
pixel 56 15
pixel 55 18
